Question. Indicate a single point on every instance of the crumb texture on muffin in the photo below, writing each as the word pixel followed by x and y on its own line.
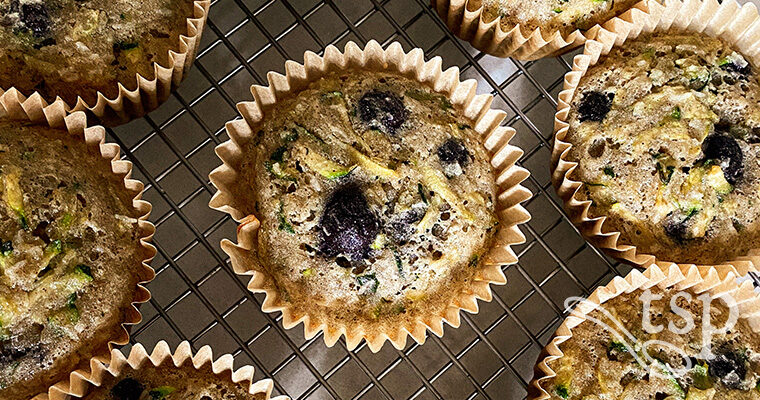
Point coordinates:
pixel 69 256
pixel 666 130
pixel 375 198
pixel 167 382
pixel 598 364
pixel 71 48
pixel 564 16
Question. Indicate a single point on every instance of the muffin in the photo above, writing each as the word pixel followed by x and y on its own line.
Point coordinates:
pixel 563 16
pixel 647 342
pixel 664 134
pixel 164 375
pixel 72 253
pixel 76 49
pixel 167 381
pixel 373 200
pixel 531 29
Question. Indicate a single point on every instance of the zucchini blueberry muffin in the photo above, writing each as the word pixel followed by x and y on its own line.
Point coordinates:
pixel 69 256
pixel 598 364
pixel 666 131
pixel 375 197
pixel 551 16
pixel 167 382
pixel 71 48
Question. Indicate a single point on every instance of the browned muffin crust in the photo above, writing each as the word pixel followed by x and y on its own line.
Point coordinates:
pixel 69 256
pixel 71 48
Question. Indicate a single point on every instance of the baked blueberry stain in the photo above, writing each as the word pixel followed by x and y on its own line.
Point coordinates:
pixel 730 367
pixel 382 110
pixel 726 151
pixel 401 226
pixel 127 389
pixel 348 226
pixel 594 106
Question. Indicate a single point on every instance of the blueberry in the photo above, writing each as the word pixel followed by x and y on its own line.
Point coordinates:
pixel 730 367
pixel 35 17
pixel 595 106
pixel 401 226
pixel 382 110
pixel 127 389
pixel 347 226
pixel 453 151
pixel 12 352
pixel 738 65
pixel 676 225
pixel 726 150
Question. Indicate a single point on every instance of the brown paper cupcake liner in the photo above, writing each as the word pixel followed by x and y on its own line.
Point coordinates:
pixel 718 282
pixel 13 106
pixel 739 26
pixel 517 41
pixel 148 93
pixel 476 108
pixel 80 382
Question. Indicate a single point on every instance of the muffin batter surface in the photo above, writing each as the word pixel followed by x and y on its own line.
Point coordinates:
pixel 78 47
pixel 69 255
pixel 666 130
pixel 375 198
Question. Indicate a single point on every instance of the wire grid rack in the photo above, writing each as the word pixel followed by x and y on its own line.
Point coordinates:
pixel 197 297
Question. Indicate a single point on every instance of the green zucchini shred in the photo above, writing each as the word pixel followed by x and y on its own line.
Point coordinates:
pixel 361 280
pixel 284 223
pixel 161 392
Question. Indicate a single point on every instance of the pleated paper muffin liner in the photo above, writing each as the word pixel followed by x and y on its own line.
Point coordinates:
pixel 80 383
pixel 13 107
pixel 412 65
pixel 148 93
pixel 739 26
pixel 518 41
pixel 718 282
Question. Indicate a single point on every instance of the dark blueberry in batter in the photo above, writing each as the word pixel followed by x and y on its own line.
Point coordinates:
pixel 595 106
pixel 453 151
pixel 347 226
pixel 726 150
pixel 730 367
pixel 676 225
pixel 11 352
pixel 401 226
pixel 382 110
pixel 35 17
pixel 127 389
pixel 733 67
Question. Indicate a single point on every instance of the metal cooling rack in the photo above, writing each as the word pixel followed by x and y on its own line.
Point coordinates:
pixel 197 297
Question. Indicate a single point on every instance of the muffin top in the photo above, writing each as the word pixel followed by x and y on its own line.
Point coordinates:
pixel 666 130
pixel 601 364
pixel 71 48
pixel 167 382
pixel 564 16
pixel 376 199
pixel 69 256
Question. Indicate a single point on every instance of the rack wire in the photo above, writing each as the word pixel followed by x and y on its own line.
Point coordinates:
pixel 196 295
